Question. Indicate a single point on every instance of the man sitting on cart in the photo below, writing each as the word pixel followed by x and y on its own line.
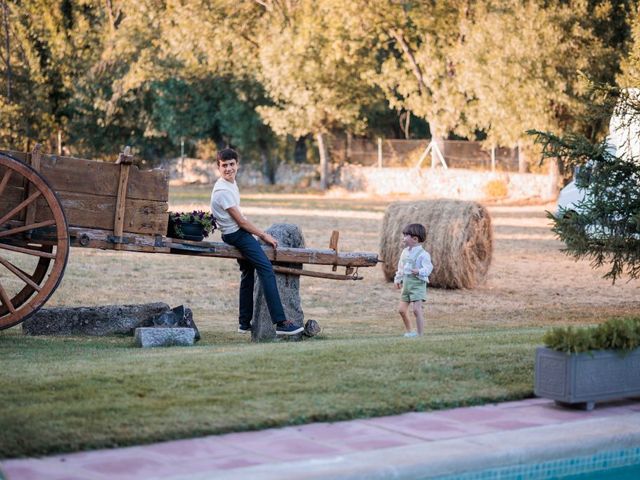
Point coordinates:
pixel 238 231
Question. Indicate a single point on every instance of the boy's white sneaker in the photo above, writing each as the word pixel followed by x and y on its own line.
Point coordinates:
pixel 411 334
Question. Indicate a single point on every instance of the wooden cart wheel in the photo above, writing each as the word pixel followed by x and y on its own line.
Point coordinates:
pixel 34 242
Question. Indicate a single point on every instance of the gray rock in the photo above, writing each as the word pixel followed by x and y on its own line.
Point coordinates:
pixel 180 316
pixel 311 328
pixel 93 321
pixel 146 337
pixel 288 235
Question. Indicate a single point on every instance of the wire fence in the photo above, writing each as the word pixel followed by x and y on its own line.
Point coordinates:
pixel 408 153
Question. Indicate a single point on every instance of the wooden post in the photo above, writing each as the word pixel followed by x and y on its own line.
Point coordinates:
pixel 36 158
pixel 379 152
pixel 124 160
pixel 324 162
pixel 493 158
pixel 333 245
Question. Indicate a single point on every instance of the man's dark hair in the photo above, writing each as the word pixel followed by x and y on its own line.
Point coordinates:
pixel 415 230
pixel 226 154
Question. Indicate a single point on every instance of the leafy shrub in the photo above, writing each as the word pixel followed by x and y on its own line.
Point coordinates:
pixel 614 334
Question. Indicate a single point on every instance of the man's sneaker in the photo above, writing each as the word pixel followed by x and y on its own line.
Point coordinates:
pixel 410 334
pixel 287 328
pixel 243 329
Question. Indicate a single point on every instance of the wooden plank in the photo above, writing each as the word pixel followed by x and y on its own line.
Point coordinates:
pixel 90 211
pixel 102 239
pixel 141 216
pixel 284 254
pixel 100 178
pixel 311 273
pixel 15 154
pixel 124 162
pixel 36 156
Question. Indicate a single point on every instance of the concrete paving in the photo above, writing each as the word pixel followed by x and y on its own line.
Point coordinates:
pixel 412 445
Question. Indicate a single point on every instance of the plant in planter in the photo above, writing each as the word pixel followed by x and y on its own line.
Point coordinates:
pixel 580 366
pixel 193 225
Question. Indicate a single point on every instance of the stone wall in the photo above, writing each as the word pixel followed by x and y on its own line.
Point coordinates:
pixel 426 182
pixel 451 183
pixel 196 171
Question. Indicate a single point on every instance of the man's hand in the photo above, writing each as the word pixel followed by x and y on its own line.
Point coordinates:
pixel 398 285
pixel 269 240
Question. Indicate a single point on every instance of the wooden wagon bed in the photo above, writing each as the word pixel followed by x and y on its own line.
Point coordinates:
pixel 49 203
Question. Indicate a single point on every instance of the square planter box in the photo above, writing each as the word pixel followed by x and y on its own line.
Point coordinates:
pixel 582 379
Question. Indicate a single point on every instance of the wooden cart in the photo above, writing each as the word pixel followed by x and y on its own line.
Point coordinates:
pixel 49 203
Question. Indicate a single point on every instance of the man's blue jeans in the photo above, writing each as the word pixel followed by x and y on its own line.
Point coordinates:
pixel 254 259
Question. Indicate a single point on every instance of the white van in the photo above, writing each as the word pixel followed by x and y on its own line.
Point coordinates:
pixel 623 141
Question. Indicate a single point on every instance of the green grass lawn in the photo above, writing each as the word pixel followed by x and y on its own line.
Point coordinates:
pixel 69 394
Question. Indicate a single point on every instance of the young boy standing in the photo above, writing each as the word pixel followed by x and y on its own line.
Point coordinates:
pixel 412 276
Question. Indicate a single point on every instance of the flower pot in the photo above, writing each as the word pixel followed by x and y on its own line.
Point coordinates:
pixel 192 231
pixel 582 379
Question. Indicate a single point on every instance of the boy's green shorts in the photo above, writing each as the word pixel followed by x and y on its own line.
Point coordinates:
pixel 413 289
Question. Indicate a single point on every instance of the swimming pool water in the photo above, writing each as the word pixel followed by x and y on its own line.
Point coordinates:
pixel 630 472
pixel 614 464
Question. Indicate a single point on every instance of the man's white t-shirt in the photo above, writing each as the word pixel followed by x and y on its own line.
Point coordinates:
pixel 224 196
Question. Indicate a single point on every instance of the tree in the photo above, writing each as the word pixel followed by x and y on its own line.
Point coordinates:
pixel 411 45
pixel 605 226
pixel 315 84
pixel 521 62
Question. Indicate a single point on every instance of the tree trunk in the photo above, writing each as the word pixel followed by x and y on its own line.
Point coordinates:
pixel 522 159
pixel 5 23
pixel 555 180
pixel 300 150
pixel 324 162
pixel 268 169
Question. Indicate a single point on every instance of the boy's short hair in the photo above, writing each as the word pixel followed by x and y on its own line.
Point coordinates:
pixel 226 154
pixel 415 230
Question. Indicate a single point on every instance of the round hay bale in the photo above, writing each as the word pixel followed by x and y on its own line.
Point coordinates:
pixel 459 239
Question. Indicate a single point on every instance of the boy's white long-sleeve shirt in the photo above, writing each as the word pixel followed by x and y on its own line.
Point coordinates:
pixel 410 259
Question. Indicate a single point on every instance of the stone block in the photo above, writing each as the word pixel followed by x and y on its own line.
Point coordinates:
pixel 94 321
pixel 164 336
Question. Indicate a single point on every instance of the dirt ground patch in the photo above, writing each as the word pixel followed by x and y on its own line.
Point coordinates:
pixel 531 282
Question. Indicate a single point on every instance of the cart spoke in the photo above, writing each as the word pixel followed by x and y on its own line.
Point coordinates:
pixel 22 205
pixel 11 231
pixel 28 251
pixel 6 300
pixel 20 274
pixel 5 180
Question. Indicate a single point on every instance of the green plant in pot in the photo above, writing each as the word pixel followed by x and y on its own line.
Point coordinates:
pixel 581 366
pixel 193 225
